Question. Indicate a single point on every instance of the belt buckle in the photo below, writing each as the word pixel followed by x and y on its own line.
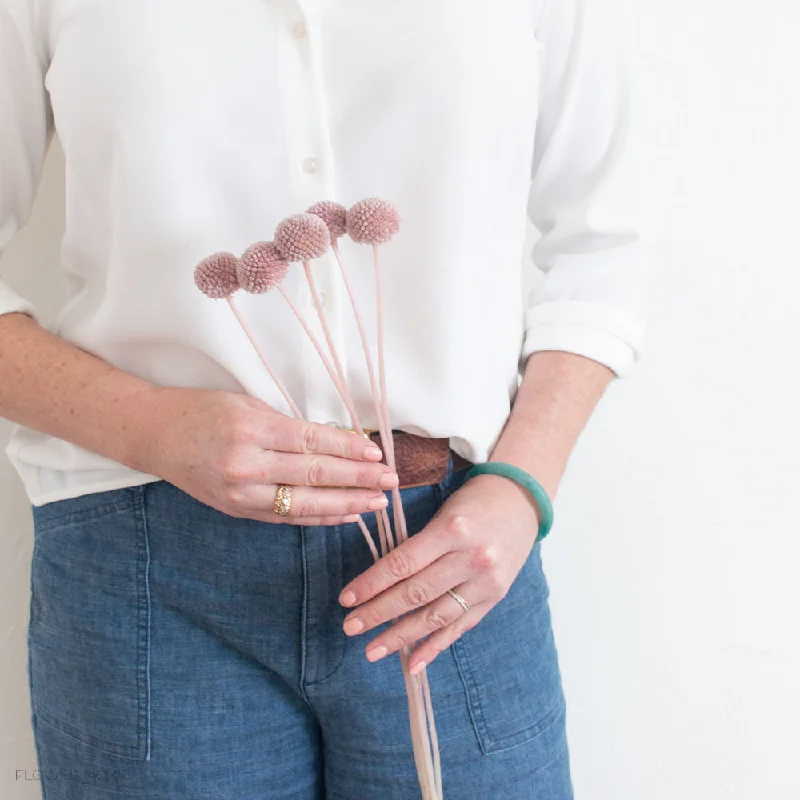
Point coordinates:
pixel 367 431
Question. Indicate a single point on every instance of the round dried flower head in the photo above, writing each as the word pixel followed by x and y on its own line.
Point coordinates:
pixel 334 215
pixel 215 276
pixel 373 221
pixel 261 267
pixel 302 237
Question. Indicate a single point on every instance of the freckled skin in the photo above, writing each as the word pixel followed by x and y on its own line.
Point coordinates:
pixel 197 439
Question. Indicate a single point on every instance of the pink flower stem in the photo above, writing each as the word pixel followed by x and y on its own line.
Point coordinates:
pixel 368 537
pixel 420 681
pixel 382 517
pixel 325 360
pixel 342 379
pixel 437 761
pixel 422 750
pixel 400 517
pixel 278 382
pixel 292 405
pixel 380 414
pixel 331 346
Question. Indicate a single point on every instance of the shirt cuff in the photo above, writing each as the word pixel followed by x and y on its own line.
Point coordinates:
pixel 11 302
pixel 605 335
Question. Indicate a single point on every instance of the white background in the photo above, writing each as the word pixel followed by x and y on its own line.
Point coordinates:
pixel 674 563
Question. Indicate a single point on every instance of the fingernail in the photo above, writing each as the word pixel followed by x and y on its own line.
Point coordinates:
pixel 378 502
pixel 347 598
pixel 417 668
pixel 373 454
pixel 374 653
pixel 388 481
pixel 353 625
pixel 350 518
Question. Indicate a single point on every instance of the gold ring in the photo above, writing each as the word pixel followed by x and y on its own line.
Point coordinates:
pixel 367 431
pixel 283 500
pixel 459 599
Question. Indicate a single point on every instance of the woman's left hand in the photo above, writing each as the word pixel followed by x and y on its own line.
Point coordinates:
pixel 476 545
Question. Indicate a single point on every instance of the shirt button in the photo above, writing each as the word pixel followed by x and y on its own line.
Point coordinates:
pixel 322 297
pixel 299 31
pixel 311 165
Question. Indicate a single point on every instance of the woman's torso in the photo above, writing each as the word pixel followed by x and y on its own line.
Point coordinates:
pixel 193 126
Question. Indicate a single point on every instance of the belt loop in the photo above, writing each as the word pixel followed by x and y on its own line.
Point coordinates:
pixel 444 488
pixel 449 466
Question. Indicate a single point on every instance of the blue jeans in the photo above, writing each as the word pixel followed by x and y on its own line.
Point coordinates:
pixel 178 653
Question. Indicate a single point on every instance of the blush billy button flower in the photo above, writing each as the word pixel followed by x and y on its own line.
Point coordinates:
pixel 334 215
pixel 219 275
pixel 373 221
pixel 216 275
pixel 302 237
pixel 261 268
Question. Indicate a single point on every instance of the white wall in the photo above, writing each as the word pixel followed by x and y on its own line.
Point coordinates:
pixel 674 568
pixel 673 562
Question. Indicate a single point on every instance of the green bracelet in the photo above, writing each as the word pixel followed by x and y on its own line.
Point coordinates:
pixel 527 482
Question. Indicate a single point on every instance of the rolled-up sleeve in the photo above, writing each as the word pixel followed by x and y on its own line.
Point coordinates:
pixel 25 129
pixel 588 198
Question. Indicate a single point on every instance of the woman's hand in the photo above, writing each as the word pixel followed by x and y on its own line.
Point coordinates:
pixel 230 451
pixel 476 545
pixel 480 539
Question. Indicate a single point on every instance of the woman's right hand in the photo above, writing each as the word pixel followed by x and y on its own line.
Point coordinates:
pixel 231 451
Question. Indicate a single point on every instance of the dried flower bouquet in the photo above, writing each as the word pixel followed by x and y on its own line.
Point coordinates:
pixel 262 267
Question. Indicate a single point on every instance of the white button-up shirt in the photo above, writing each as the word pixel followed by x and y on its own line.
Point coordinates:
pixel 193 126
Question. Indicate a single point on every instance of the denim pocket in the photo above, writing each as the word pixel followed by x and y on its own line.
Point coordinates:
pixel 89 630
pixel 509 668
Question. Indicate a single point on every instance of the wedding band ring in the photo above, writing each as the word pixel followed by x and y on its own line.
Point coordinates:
pixel 283 500
pixel 459 599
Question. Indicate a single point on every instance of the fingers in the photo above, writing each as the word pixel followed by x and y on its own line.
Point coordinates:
pixel 323 470
pixel 440 640
pixel 306 522
pixel 298 436
pixel 422 589
pixel 445 613
pixel 442 535
pixel 307 503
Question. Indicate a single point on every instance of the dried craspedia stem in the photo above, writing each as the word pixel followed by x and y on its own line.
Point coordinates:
pixel 215 276
pixel 302 237
pixel 373 221
pixel 261 268
pixel 334 215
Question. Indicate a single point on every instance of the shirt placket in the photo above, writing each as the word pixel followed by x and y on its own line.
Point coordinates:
pixel 312 174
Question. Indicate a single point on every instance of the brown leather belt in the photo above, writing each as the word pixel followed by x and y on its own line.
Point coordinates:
pixel 421 460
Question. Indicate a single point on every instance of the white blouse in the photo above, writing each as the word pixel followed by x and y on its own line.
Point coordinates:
pixel 193 126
